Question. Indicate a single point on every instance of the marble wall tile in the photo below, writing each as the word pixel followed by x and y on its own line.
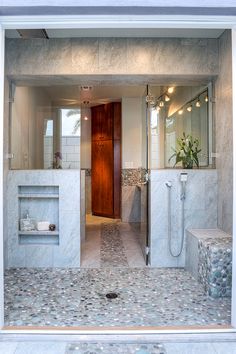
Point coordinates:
pixel 85 55
pixel 67 219
pixel 112 52
pixel 200 210
pixel 68 254
pixel 131 204
pixel 40 256
pixel 140 54
pixel 54 55
pixel 147 56
pixel 224 136
pixel 191 254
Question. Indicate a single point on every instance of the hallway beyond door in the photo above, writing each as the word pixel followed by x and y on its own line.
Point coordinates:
pixel 111 243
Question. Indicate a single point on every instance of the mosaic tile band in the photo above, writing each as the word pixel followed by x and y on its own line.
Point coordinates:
pixel 112 348
pixel 112 248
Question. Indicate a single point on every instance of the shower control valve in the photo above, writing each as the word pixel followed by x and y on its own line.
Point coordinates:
pixel 183 177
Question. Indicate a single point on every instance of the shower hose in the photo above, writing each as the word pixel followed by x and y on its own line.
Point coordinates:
pixel 182 198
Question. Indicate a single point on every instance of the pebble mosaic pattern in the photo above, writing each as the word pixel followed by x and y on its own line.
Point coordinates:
pixel 112 248
pixel 114 348
pixel 215 266
pixel 77 297
pixel 132 176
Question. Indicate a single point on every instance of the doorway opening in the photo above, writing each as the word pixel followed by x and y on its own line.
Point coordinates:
pixel 115 199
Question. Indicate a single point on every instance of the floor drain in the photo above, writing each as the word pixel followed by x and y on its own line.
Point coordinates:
pixel 111 296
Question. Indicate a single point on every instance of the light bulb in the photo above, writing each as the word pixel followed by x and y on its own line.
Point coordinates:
pixel 189 108
pixel 198 103
pixel 170 90
pixel 206 99
pixel 180 111
pixel 161 104
pixel 167 98
pixel 85 118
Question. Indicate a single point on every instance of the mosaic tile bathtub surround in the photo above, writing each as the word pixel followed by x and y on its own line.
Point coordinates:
pixel 112 348
pixel 215 266
pixel 77 297
pixel 112 248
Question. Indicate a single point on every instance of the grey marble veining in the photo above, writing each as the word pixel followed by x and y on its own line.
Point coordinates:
pixel 76 56
pixel 65 213
pixel 131 204
pixel 224 133
pixel 200 210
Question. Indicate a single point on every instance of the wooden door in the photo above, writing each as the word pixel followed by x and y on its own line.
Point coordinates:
pixel 106 160
pixel 102 178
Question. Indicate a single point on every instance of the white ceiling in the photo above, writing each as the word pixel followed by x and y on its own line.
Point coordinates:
pixel 73 95
pixel 125 32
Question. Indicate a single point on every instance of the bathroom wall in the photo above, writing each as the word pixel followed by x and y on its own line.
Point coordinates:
pixel 98 56
pixel 224 134
pixel 132 114
pixel 200 210
pixel 31 106
pixel 64 211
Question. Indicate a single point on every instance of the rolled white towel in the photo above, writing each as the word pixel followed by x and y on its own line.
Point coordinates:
pixel 43 225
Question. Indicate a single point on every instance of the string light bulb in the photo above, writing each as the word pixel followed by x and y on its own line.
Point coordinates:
pixel 180 111
pixel 161 104
pixel 85 118
pixel 167 98
pixel 198 103
pixel 170 89
pixel 206 99
pixel 189 108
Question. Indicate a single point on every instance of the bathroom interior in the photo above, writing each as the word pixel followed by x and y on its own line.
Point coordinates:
pixel 118 181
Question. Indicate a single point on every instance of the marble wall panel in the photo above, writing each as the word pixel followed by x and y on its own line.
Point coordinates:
pixel 131 204
pixel 224 135
pixel 200 211
pixel 67 253
pixel 76 56
pixel 85 55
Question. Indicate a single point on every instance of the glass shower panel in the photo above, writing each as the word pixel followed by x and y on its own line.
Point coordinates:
pixel 192 119
pixel 44 132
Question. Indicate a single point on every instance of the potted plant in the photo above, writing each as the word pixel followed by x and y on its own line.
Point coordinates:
pixel 187 152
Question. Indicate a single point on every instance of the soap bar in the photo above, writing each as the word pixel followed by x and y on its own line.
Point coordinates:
pixel 43 225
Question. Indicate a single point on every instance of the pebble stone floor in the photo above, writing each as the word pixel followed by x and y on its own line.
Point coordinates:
pixel 112 248
pixel 77 297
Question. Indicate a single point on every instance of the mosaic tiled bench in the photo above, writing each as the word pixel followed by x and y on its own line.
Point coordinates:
pixel 209 260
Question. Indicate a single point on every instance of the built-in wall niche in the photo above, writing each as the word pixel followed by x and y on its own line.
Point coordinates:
pixel 39 203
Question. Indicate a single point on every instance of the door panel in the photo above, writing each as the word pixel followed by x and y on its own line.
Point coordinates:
pixel 107 122
pixel 106 160
pixel 96 126
pixel 102 176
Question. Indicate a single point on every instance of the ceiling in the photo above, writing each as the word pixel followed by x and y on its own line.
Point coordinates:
pixel 127 32
pixel 74 95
